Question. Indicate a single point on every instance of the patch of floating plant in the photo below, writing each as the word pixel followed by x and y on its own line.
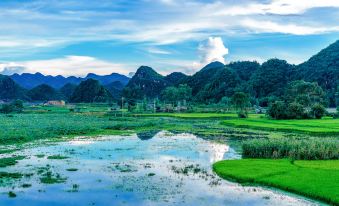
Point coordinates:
pixel 123 167
pixel 47 176
pixel 10 161
pixel 75 188
pixel 72 169
pixel 194 170
pixel 40 155
pixel 57 157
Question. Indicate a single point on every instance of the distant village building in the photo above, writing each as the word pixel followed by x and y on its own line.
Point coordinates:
pixel 56 103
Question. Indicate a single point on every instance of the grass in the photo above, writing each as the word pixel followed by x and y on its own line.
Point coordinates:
pixel 315 179
pixel 304 149
pixel 26 127
pixel 197 115
pixel 326 126
pixel 190 115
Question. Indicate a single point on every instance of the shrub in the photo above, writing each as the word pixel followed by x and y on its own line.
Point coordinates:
pixel 277 110
pixel 295 111
pixel 318 111
pixel 242 114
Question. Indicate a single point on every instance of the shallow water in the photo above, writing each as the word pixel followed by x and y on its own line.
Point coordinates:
pixel 167 169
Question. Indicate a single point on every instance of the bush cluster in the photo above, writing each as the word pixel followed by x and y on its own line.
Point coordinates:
pixel 294 110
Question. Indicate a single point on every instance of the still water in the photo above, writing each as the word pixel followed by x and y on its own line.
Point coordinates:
pixel 144 169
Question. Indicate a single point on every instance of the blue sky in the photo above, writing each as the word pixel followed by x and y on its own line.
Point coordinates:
pixel 77 37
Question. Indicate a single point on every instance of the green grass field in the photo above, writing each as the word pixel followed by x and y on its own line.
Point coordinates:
pixel 196 115
pixel 314 179
pixel 326 126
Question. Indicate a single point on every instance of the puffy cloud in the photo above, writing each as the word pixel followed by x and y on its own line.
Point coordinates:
pixel 213 49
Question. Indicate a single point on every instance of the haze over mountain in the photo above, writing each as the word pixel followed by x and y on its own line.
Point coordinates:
pixel 29 81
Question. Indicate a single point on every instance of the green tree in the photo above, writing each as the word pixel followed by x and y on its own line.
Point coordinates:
pixel 305 93
pixel 241 101
pixel 318 111
pixel 277 110
pixel 7 108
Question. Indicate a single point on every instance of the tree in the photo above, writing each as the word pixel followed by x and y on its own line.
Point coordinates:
pixel 305 93
pixel 301 100
pixel 18 105
pixel 15 106
pixel 277 110
pixel 318 111
pixel 176 94
pixel 240 101
pixel 7 108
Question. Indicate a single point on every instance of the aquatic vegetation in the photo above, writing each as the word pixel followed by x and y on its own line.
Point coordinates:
pixel 72 169
pixel 14 175
pixel 316 179
pixel 57 157
pixel 124 167
pixel 50 178
pixel 75 188
pixel 26 185
pixel 40 155
pixel 11 194
pixel 301 149
pixel 9 161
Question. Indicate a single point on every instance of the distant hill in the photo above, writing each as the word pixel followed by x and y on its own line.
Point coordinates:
pixel 145 83
pixel 43 93
pixel 30 81
pixel 115 89
pixel 10 90
pixel 90 91
pixel 67 91
pixel 176 78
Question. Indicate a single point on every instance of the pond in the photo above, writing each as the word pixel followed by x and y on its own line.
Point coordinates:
pixel 145 169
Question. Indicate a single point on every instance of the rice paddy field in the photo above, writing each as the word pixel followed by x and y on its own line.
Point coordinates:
pixel 326 126
pixel 315 179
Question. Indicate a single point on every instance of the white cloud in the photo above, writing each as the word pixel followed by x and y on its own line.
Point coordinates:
pixel 279 7
pixel 213 49
pixel 32 25
pixel 155 50
pixel 271 27
pixel 69 65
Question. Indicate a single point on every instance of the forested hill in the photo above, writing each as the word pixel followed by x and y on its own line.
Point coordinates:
pixel 263 82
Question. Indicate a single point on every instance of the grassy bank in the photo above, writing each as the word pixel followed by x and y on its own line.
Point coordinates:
pixel 326 126
pixel 314 179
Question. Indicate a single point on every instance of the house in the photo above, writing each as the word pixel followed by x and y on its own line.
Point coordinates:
pixel 56 103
